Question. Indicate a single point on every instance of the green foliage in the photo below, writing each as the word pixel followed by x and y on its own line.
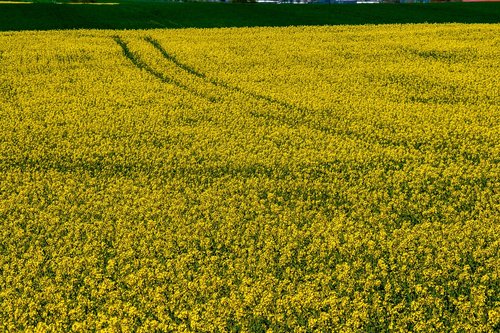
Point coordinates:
pixel 147 15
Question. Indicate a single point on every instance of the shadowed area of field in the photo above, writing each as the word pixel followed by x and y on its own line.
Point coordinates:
pixel 148 15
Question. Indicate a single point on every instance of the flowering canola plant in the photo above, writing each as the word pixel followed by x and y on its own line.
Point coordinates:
pixel 298 179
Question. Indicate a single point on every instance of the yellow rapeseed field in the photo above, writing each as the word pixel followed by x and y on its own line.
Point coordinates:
pixel 299 179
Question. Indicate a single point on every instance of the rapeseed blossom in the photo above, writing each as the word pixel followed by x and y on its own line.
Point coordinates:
pixel 304 179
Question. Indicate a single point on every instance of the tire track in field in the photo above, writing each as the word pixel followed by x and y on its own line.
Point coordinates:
pixel 219 83
pixel 301 116
pixel 140 64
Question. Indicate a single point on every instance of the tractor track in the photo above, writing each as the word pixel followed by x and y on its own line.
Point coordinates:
pixel 142 65
pixel 219 83
pixel 297 117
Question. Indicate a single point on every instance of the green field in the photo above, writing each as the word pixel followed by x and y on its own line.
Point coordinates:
pixel 146 15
